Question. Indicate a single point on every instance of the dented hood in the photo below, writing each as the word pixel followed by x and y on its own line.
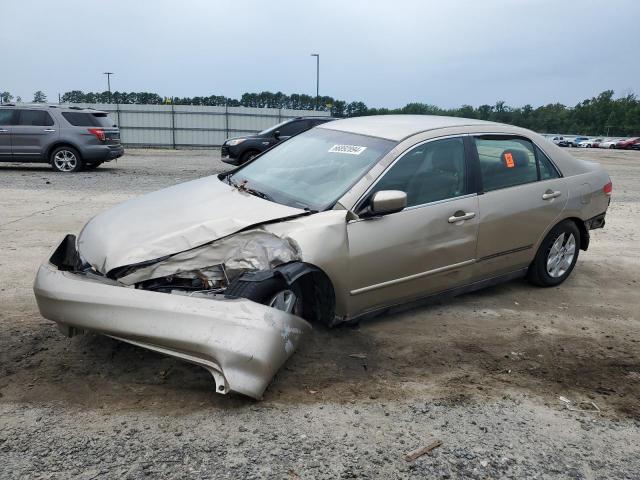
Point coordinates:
pixel 172 220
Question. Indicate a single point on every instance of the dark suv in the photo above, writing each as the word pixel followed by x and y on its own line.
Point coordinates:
pixel 239 150
pixel 69 138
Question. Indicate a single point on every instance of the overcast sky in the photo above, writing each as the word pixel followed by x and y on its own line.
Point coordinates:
pixel 385 53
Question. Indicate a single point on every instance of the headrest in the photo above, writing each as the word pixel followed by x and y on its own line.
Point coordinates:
pixel 514 158
pixel 444 157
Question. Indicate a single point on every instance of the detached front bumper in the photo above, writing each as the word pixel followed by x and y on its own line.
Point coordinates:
pixel 241 343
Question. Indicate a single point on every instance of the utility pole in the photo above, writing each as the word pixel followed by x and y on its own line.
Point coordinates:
pixel 317 55
pixel 108 74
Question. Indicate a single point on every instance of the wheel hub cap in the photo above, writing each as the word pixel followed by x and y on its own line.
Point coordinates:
pixel 284 300
pixel 65 161
pixel 561 255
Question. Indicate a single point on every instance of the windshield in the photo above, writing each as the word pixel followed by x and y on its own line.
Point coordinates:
pixel 314 169
pixel 273 128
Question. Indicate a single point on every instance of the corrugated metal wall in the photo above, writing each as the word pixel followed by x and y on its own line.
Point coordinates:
pixel 191 126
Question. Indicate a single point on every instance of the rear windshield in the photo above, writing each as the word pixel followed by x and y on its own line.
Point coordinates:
pixel 85 119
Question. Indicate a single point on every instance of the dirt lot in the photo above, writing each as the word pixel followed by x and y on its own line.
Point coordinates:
pixel 482 372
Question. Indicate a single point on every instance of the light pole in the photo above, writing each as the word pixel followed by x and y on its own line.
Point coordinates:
pixel 108 74
pixel 317 55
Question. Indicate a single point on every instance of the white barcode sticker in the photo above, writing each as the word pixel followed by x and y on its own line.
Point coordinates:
pixel 348 149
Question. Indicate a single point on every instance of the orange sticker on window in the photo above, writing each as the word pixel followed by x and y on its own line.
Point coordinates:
pixel 508 160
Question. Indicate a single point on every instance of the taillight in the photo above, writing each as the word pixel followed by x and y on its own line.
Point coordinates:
pixel 99 133
pixel 607 189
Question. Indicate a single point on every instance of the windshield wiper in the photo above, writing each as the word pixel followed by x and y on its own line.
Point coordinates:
pixel 242 186
pixel 258 193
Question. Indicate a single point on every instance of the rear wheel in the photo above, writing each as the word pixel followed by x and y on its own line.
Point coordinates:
pixel 66 160
pixel 556 256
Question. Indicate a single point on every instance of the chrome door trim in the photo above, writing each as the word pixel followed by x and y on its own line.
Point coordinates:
pixel 453 266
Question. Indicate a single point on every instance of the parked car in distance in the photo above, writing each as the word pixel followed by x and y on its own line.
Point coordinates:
pixel 560 141
pixel 239 150
pixel 575 141
pixel 68 138
pixel 590 143
pixel 627 143
pixel 344 221
pixel 609 143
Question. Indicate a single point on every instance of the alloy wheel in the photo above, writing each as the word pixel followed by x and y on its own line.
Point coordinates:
pixel 65 160
pixel 285 300
pixel 561 254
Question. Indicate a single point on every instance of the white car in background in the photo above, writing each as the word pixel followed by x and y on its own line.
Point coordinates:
pixel 609 143
pixel 591 143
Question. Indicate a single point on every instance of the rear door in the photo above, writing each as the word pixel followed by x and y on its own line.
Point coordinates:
pixel 7 121
pixel 33 134
pixel 522 194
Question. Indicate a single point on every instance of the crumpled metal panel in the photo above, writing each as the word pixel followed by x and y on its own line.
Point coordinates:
pixel 249 250
pixel 172 220
pixel 243 344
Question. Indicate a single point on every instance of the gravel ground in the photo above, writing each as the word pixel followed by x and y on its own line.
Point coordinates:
pixel 482 373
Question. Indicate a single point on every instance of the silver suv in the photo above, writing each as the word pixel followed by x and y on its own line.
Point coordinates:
pixel 69 138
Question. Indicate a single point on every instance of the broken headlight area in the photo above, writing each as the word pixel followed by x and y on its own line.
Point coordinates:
pixel 202 282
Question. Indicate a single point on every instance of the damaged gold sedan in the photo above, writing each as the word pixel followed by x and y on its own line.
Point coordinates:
pixel 349 219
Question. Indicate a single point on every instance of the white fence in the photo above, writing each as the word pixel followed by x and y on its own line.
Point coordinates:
pixel 191 126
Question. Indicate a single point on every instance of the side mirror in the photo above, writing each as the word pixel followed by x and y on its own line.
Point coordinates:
pixel 276 134
pixel 388 201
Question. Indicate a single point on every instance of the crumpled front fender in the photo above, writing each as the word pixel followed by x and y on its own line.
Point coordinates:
pixel 242 343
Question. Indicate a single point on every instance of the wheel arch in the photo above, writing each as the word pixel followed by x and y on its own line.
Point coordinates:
pixel 584 232
pixel 61 143
pixel 317 289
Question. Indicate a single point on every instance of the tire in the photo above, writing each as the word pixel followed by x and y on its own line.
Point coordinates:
pixel 66 160
pixel 92 166
pixel 273 292
pixel 248 155
pixel 556 256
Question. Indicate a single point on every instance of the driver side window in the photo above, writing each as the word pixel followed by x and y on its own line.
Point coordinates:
pixel 428 173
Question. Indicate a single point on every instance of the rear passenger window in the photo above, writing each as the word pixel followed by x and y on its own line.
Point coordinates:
pixel 82 119
pixel 547 169
pixel 37 118
pixel 506 162
pixel 429 172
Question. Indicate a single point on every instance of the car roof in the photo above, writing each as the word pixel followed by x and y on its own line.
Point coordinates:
pixel 399 127
pixel 44 106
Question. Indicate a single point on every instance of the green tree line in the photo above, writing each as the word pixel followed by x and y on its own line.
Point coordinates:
pixel 600 115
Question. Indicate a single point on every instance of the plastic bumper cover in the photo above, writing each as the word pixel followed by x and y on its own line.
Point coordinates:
pixel 241 343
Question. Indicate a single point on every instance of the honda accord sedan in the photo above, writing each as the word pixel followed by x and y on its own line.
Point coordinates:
pixel 347 220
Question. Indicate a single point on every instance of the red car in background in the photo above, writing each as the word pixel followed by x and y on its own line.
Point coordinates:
pixel 628 143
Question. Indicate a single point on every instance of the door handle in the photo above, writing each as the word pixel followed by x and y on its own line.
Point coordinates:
pixel 49 130
pixel 550 194
pixel 458 218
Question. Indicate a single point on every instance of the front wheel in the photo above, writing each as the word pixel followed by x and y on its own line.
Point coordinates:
pixel 66 160
pixel 556 256
pixel 272 292
pixel 248 156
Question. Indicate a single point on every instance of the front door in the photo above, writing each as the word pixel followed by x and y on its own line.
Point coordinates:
pixel 424 248
pixel 523 196
pixel 33 134
pixel 6 124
